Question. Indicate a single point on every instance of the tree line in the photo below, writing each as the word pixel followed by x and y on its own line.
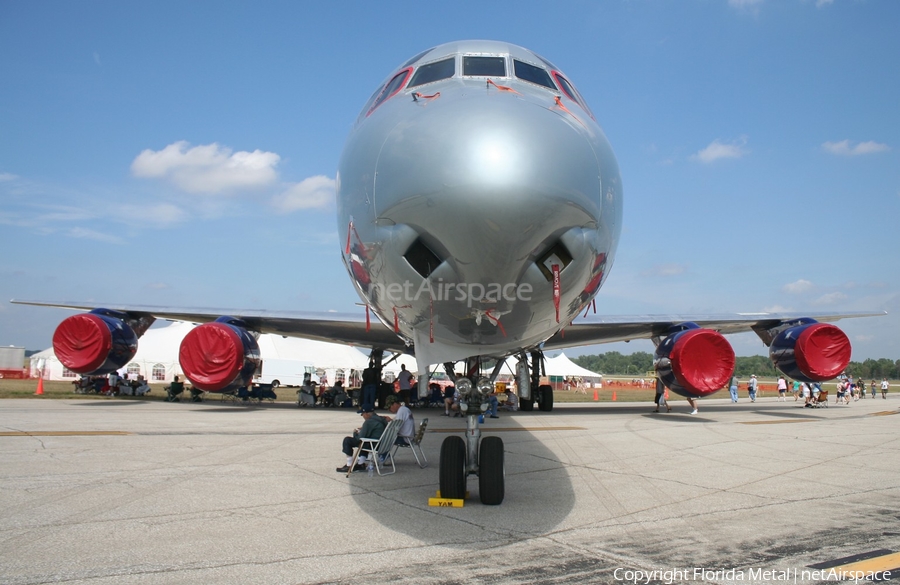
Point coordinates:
pixel 640 363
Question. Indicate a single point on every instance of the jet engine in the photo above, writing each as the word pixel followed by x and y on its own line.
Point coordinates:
pixel 810 351
pixel 98 342
pixel 219 356
pixel 693 361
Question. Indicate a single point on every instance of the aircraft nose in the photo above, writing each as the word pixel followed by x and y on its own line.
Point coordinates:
pixel 510 171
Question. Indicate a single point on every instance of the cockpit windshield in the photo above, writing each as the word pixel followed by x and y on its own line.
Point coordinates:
pixel 443 69
pixel 484 66
pixel 529 72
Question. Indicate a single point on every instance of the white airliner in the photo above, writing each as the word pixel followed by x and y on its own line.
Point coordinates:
pixel 479 210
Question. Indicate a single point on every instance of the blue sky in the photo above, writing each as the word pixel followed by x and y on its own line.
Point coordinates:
pixel 184 154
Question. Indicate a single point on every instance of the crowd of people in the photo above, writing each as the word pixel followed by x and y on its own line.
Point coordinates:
pixel 112 385
pixel 397 399
pixel 812 394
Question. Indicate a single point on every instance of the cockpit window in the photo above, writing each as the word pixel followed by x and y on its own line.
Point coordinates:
pixel 443 69
pixel 392 87
pixel 571 92
pixel 529 72
pixel 485 66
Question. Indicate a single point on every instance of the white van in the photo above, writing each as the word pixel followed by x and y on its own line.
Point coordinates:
pixel 282 372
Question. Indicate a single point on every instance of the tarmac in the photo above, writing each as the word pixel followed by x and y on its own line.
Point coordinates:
pixel 120 491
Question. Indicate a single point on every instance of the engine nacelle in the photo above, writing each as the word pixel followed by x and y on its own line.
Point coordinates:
pixel 811 351
pixel 693 361
pixel 219 356
pixel 98 342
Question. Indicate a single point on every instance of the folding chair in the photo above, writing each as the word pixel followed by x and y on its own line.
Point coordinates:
pixel 415 445
pixel 375 449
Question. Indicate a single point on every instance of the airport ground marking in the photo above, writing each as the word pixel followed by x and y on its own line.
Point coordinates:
pixel 880 564
pixel 505 429
pixel 884 413
pixel 776 422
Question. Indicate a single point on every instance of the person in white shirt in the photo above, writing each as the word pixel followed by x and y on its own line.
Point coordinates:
pixel 405 416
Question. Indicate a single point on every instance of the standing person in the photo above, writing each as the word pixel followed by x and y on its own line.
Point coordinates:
pixel 807 393
pixel 371 376
pixel 873 389
pixel 884 388
pixel 734 388
pixel 752 386
pixel 660 396
pixel 405 379
pixel 796 390
pixel 693 402
pixel 782 388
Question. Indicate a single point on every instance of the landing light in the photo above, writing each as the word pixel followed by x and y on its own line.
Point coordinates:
pixel 485 387
pixel 464 385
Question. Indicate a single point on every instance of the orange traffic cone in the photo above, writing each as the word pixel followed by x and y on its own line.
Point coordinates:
pixel 40 388
pixel 614 395
pixel 596 397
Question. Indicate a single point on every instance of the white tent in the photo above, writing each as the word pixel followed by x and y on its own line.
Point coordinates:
pixel 561 365
pixel 157 355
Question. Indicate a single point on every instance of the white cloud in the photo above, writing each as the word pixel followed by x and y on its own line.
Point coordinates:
pixel 311 193
pixel 718 149
pixel 89 234
pixel 8 177
pixel 208 168
pixel 843 148
pixel 798 287
pixel 830 298
pixel 159 215
pixel 821 3
pixel 666 270
pixel 777 309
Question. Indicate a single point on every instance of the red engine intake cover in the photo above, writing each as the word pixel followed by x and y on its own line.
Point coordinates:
pixel 211 356
pixel 702 361
pixel 82 343
pixel 822 351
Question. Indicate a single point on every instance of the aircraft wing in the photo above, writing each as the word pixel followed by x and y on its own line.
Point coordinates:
pixel 351 329
pixel 597 329
pixel 346 328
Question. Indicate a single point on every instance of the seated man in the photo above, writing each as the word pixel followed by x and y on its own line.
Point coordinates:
pixel 372 428
pixel 306 395
pixel 512 401
pixel 404 415
pixel 451 399
pixel 142 387
pixel 337 394
pixel 174 389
